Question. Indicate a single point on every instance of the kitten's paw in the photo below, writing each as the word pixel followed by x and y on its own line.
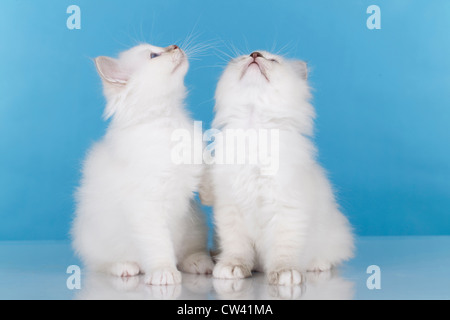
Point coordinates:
pixel 163 277
pixel 319 266
pixel 197 263
pixel 231 271
pixel 285 278
pixel 124 269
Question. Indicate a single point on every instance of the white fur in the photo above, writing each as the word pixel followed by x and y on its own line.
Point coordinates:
pixel 135 209
pixel 282 224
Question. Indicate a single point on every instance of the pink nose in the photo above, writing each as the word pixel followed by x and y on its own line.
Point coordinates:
pixel 172 48
pixel 256 54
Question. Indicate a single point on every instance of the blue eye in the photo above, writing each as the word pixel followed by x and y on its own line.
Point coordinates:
pixel 154 55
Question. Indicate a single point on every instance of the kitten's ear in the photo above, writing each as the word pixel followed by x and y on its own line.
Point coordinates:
pixel 110 71
pixel 301 68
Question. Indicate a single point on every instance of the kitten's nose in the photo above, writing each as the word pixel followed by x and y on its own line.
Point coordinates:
pixel 256 54
pixel 172 48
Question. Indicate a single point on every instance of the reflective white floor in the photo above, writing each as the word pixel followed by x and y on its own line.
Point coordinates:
pixel 411 268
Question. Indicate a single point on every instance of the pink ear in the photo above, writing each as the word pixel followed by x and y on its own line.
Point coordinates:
pixel 110 71
pixel 301 67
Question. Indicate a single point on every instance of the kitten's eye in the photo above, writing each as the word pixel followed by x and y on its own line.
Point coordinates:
pixel 274 60
pixel 154 55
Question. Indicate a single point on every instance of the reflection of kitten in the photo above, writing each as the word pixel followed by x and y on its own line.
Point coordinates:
pixel 100 286
pixel 284 223
pixel 135 210
pixel 319 286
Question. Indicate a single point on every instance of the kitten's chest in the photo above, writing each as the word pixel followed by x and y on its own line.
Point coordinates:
pixel 148 144
pixel 254 117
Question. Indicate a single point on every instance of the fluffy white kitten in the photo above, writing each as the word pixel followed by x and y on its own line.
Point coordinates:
pixel 288 222
pixel 135 209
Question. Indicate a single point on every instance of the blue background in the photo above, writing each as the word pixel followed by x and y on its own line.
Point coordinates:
pixel 382 97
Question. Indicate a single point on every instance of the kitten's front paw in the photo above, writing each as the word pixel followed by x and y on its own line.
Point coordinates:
pixel 231 271
pixel 198 263
pixel 163 277
pixel 285 278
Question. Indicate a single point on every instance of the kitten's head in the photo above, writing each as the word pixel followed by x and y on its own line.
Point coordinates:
pixel 146 71
pixel 265 73
pixel 273 85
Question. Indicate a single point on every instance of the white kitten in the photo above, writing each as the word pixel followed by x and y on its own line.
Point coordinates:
pixel 287 222
pixel 135 208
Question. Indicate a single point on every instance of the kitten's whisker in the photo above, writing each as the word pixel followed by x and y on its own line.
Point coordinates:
pixel 123 44
pixel 246 45
pixel 191 37
pixel 200 49
pixel 224 57
pixel 229 56
pixel 142 37
pixel 274 45
pixel 287 48
pixel 234 50
pixel 218 66
pixel 187 44
pixel 226 47
pixel 151 39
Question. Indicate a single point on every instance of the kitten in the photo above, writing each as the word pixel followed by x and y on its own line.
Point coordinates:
pixel 135 208
pixel 286 222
